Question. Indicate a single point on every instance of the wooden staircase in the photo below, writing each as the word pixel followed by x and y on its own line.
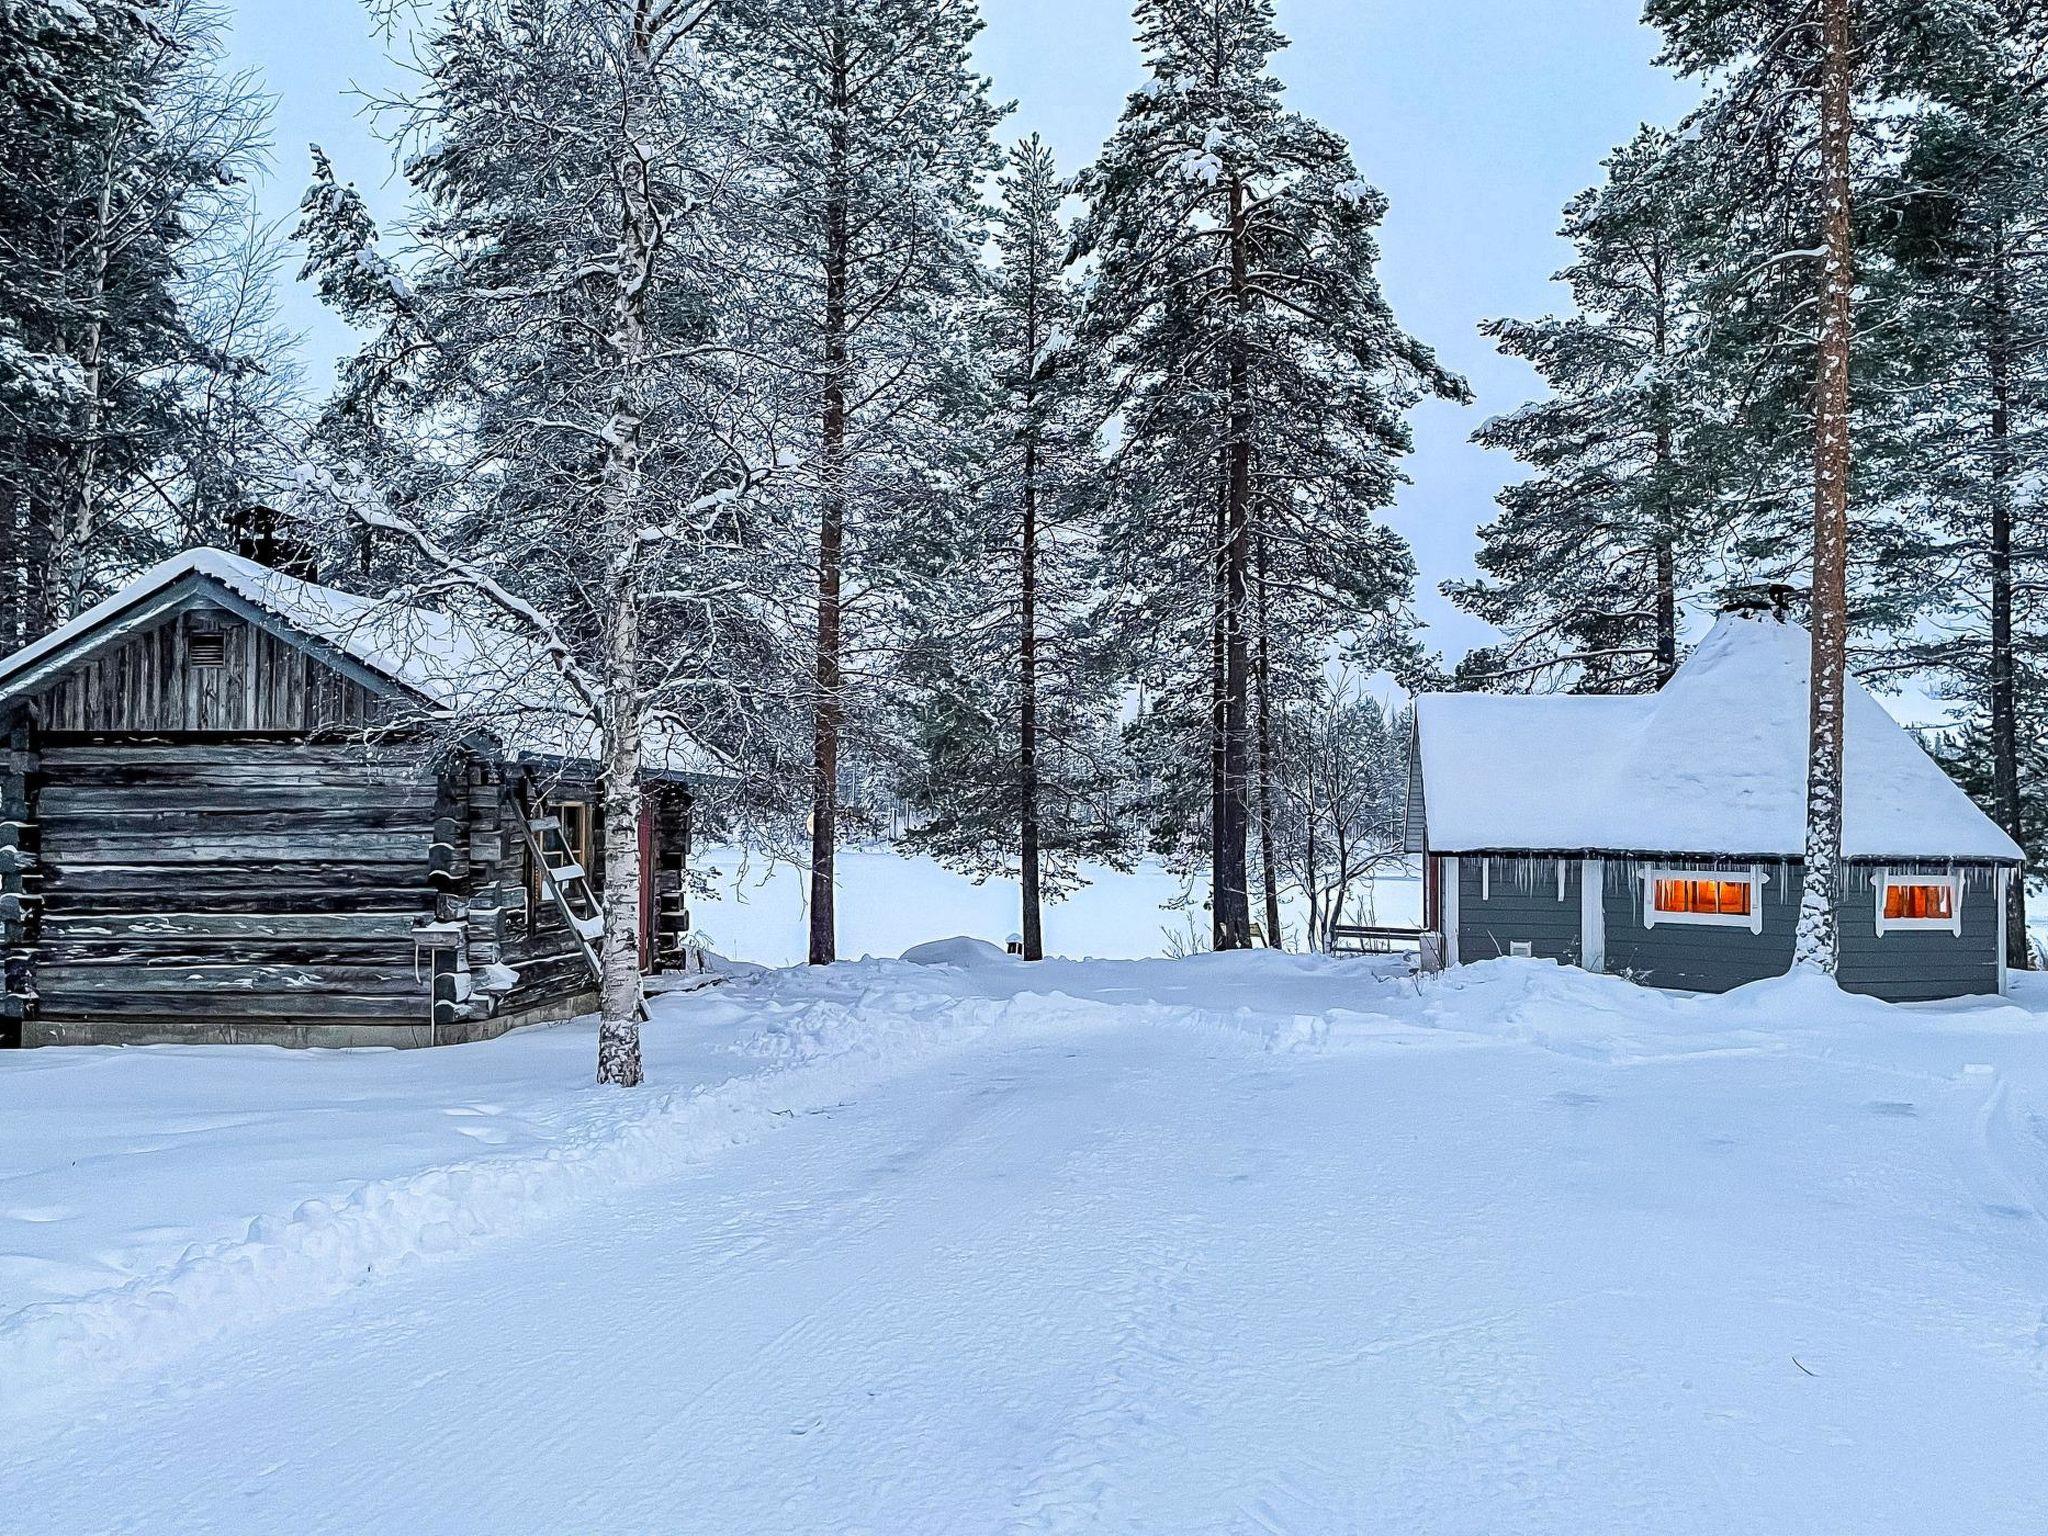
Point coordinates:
pixel 565 882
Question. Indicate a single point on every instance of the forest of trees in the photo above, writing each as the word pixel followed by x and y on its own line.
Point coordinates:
pixel 728 345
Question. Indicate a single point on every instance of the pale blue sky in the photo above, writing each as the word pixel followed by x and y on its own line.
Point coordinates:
pixel 1478 117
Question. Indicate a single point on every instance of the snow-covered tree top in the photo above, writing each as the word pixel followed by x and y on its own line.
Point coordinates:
pixel 1715 764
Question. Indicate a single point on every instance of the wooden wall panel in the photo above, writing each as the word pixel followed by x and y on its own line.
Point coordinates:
pixel 151 683
pixel 209 880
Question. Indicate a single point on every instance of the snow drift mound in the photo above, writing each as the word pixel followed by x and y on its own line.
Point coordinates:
pixel 968 954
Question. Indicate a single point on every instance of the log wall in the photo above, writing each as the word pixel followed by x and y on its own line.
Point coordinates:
pixel 229 889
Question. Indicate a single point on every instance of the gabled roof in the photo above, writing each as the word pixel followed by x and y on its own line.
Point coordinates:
pixel 456 669
pixel 1715 764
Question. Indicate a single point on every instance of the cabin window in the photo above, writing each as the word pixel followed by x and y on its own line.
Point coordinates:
pixel 1706 898
pixel 1918 903
pixel 207 648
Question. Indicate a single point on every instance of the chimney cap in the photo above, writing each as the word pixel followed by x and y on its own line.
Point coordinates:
pixel 1764 599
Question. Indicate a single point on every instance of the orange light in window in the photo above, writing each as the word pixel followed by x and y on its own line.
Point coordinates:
pixel 1932 903
pixel 1712 898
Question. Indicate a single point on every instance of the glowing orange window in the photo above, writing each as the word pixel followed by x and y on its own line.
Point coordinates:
pixel 1920 903
pixel 1706 898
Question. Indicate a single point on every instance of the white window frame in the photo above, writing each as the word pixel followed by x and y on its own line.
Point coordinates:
pixel 1755 879
pixel 1881 885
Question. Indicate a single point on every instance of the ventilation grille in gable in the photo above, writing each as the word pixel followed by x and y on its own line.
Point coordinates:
pixel 209 649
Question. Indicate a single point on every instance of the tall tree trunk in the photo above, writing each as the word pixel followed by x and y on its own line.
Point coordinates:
pixel 1032 932
pixel 1816 944
pixel 2005 731
pixel 77 529
pixel 1269 874
pixel 1667 518
pixel 618 1039
pixel 1219 626
pixel 829 681
pixel 1229 886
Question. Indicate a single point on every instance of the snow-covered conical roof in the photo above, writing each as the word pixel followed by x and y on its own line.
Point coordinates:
pixel 1715 764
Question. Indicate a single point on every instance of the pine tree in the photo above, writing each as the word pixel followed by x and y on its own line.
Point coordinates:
pixel 1588 567
pixel 1964 243
pixel 876 135
pixel 127 386
pixel 1016 706
pixel 1258 383
pixel 1780 140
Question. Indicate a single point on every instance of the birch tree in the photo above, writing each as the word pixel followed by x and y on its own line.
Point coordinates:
pixel 555 415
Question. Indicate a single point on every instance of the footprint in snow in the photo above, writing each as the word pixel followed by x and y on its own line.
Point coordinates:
pixel 39 1213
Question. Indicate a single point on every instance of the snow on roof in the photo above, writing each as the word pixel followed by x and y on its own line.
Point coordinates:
pixel 477 674
pixel 1715 764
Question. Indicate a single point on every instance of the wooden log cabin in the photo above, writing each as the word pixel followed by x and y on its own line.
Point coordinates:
pixel 236 806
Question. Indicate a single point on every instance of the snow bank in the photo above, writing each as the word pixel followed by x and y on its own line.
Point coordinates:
pixel 964 952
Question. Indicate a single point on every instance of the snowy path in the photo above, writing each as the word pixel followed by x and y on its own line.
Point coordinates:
pixel 1118 1273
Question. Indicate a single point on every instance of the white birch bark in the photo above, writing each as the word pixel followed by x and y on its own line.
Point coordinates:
pixel 618 1039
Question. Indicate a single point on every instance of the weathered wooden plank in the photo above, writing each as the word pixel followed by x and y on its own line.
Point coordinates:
pixel 71 799
pixel 268 1007
pixel 237 896
pixel 262 883
pixel 285 982
pixel 177 927
pixel 238 820
pixel 159 954
pixel 71 845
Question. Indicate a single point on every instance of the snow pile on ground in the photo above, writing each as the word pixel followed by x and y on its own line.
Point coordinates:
pixel 963 952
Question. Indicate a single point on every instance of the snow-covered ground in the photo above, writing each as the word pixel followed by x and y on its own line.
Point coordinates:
pixel 1237 1243
pixel 887 902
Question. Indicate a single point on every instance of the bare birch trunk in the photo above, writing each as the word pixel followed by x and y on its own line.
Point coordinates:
pixel 621 1000
pixel 1816 945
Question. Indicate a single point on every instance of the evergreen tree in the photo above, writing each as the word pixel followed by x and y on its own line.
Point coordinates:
pixel 1016 706
pixel 1258 384
pixel 1781 141
pixel 1963 236
pixel 875 134
pixel 129 372
pixel 1590 563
